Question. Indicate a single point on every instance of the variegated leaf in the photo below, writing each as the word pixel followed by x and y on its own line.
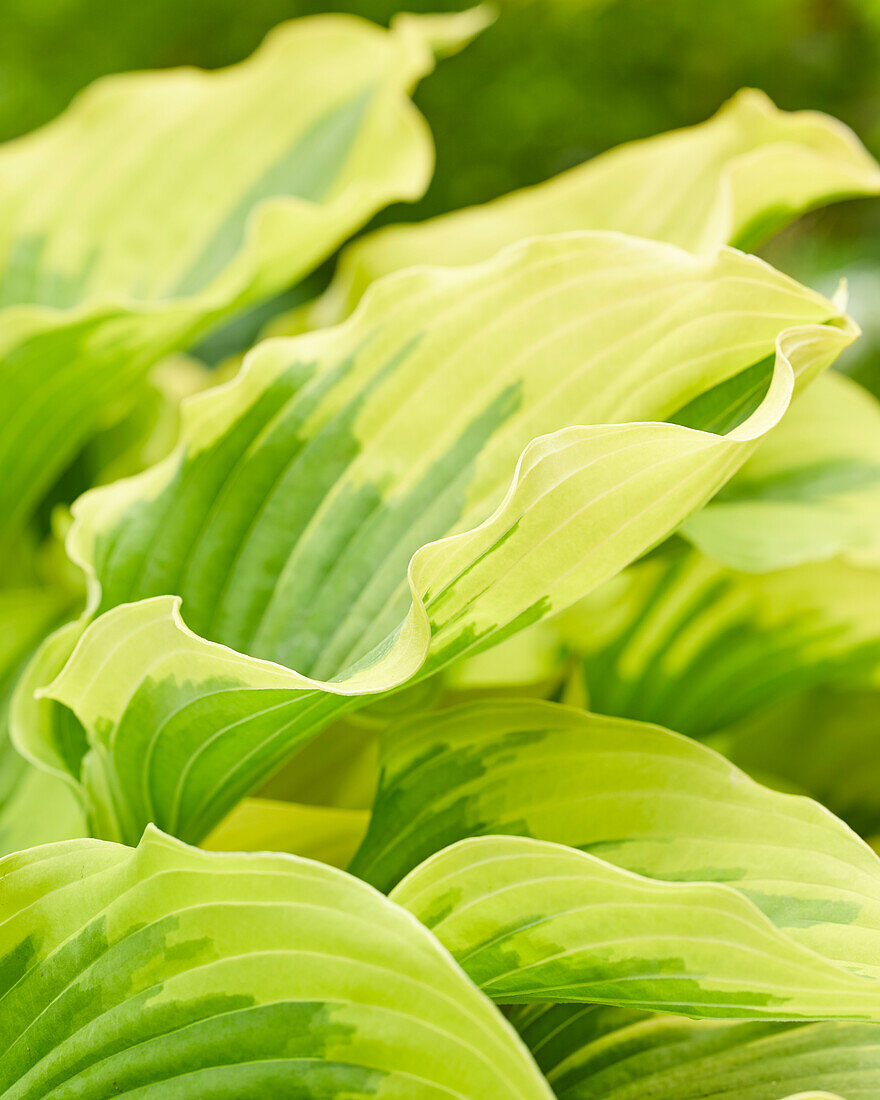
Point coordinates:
pixel 641 797
pixel 361 506
pixel 533 921
pixel 595 1053
pixel 160 203
pixel 165 971
pixel 734 179
pixel 695 646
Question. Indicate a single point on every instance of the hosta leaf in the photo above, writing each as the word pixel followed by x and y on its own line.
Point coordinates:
pixel 338 767
pixel 533 921
pixel 639 796
pixel 698 647
pixel 810 491
pixel 596 1053
pixel 167 971
pixel 363 505
pixel 39 808
pixel 186 196
pixel 328 833
pixel 146 434
pixel 735 179
pixel 532 662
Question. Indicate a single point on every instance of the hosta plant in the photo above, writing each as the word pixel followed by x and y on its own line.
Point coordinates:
pixel 430 708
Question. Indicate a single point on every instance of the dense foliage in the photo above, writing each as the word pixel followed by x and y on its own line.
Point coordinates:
pixel 337 713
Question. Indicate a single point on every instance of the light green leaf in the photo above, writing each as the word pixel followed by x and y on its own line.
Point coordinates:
pixel 595 1053
pixel 811 491
pixel 337 767
pixel 326 833
pixel 38 808
pixel 735 179
pixel 167 971
pixel 187 196
pixel 534 921
pixel 361 506
pixel 643 798
pixel 697 647
pixel 532 662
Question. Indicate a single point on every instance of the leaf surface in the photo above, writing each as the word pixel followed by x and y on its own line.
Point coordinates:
pixel 330 834
pixel 698 647
pixel 638 796
pixel 597 1053
pixel 187 195
pixel 533 921
pixel 169 971
pixel 475 449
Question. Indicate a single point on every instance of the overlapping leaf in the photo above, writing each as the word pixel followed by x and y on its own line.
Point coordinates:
pixel 159 203
pixel 533 921
pixel 595 1053
pixel 298 521
pixel 735 179
pixel 638 796
pixel 767 903
pixel 337 767
pixel 167 971
pixel 330 834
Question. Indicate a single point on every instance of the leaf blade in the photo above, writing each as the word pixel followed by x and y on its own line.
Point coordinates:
pixel 642 798
pixel 533 921
pixel 259 171
pixel 324 553
pixel 589 1052
pixel 272 972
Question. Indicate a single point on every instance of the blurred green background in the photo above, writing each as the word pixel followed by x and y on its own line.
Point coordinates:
pixel 551 83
